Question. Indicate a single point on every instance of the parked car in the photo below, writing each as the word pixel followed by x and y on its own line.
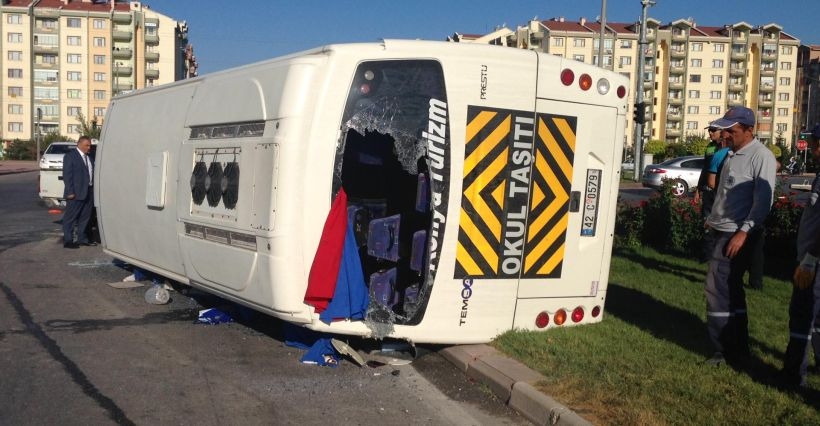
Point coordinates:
pixel 683 171
pixel 50 182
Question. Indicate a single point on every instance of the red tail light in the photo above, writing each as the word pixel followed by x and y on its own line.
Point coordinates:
pixel 542 320
pixel 596 311
pixel 577 314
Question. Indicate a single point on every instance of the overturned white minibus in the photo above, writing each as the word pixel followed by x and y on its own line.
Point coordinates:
pixel 428 191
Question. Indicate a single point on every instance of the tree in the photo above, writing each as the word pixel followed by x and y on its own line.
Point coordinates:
pixel 89 128
pixel 21 150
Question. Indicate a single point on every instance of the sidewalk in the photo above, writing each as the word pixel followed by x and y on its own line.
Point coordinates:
pixel 8 167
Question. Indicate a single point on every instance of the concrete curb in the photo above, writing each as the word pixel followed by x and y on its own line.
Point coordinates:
pixel 8 167
pixel 512 382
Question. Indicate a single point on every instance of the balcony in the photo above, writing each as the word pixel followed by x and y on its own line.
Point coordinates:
pixel 765 102
pixel 152 56
pixel 677 53
pixel 739 55
pixel 674 116
pixel 121 87
pixel 766 88
pixel 46 48
pixel 123 71
pixel 121 35
pixel 678 35
pixel 764 117
pixel 767 71
pixel 675 101
pixel 672 132
pixel 122 53
pixel 677 69
pixel 647 84
pixel 737 71
pixel 676 85
pixel 735 102
pixel 122 18
pixel 152 39
pixel 152 74
pixel 735 87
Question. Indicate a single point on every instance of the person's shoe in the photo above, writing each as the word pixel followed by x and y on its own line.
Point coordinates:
pixel 716 360
pixel 88 244
pixel 71 245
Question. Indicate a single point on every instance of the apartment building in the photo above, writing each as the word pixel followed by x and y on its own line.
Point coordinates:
pixel 808 77
pixel 692 73
pixel 63 58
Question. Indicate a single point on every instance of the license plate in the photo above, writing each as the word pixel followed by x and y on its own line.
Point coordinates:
pixel 590 212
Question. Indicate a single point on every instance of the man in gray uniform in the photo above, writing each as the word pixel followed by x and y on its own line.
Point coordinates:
pixel 743 199
pixel 805 303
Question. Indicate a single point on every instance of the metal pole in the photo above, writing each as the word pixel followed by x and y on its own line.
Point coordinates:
pixel 638 139
pixel 603 32
pixel 39 134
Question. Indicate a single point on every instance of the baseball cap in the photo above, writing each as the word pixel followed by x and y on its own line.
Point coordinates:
pixel 735 115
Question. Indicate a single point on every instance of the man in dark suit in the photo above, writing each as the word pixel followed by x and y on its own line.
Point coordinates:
pixel 78 173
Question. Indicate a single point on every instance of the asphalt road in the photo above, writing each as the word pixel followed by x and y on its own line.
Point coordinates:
pixel 75 351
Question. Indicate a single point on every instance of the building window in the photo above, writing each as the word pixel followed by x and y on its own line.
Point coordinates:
pixel 46 93
pixel 694 78
pixel 558 41
pixel 48 110
pixel 714 110
pixel 15 73
pixel 714 94
pixel 99 95
pixel 626 60
pixel 782 112
pixel 782 127
pixel 48 59
pixel 579 42
pixel 717 63
pixel 15 109
pixel 75 76
pixel 14 37
pixel 694 94
pixel 14 18
pixel 782 96
pixel 691 125
pixel 74 93
pixel 696 63
pixel 99 112
pixel 74 58
pixel 720 47
pixel 717 79
pixel 99 24
pixel 15 127
pixel 785 81
pixel 786 50
pixel 15 55
pixel 697 47
pixel 99 42
pixel 15 91
pixel 73 128
pixel 579 58
pixel 74 23
pixel 47 23
pixel 692 109
pixel 45 76
pixel 785 65
pixel 626 44
pixel 74 111
pixel 74 40
pixel 99 76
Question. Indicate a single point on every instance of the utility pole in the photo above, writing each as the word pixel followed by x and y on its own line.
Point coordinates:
pixel 601 37
pixel 39 133
pixel 638 140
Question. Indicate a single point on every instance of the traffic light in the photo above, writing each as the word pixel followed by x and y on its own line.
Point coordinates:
pixel 639 115
pixel 804 136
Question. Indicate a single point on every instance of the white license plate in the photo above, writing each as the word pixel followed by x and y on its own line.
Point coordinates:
pixel 590 212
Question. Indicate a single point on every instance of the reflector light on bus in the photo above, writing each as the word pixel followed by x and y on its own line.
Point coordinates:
pixel 542 320
pixel 577 314
pixel 596 311
pixel 560 317
pixel 585 82
pixel 567 77
pixel 621 91
pixel 603 86
pixel 364 89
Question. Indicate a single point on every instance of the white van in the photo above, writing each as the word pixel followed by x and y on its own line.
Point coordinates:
pixel 459 190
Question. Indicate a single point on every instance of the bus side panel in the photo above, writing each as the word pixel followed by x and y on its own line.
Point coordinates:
pixel 136 128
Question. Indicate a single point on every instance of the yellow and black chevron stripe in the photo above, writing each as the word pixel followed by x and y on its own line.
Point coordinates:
pixel 488 203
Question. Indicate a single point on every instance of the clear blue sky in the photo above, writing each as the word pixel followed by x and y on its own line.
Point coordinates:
pixel 230 33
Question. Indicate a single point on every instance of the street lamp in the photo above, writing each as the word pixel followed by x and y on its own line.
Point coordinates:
pixel 638 141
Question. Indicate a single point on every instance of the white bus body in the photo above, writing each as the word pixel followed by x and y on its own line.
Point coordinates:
pixel 481 183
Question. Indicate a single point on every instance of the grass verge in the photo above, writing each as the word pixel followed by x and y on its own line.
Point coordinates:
pixel 643 363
